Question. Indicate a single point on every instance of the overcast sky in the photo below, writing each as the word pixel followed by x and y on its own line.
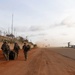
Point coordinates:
pixel 43 21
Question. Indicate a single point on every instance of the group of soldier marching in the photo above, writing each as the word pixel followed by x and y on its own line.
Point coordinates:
pixel 7 52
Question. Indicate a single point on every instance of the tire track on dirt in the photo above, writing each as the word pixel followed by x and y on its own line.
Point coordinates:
pixel 61 64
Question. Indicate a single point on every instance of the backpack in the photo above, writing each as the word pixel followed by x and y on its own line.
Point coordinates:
pixel 28 47
pixel 11 55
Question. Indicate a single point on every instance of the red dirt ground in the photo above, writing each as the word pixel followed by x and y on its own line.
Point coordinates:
pixel 41 61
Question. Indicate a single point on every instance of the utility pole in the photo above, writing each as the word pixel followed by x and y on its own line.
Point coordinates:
pixel 8 31
pixel 12 25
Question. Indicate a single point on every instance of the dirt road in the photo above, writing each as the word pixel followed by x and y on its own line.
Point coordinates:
pixel 40 62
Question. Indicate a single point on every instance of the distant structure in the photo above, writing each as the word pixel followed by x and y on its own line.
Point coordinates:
pixel 68 44
pixel 72 46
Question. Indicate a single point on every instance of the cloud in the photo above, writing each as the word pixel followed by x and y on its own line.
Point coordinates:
pixel 68 22
pixel 35 28
pixel 35 35
pixel 64 34
pixel 55 25
pixel 21 28
pixel 38 28
pixel 29 28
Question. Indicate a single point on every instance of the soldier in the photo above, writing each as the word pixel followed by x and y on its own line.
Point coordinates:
pixel 16 49
pixel 6 49
pixel 25 48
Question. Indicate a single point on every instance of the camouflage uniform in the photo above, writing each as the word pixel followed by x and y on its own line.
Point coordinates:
pixel 25 48
pixel 16 49
pixel 6 49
